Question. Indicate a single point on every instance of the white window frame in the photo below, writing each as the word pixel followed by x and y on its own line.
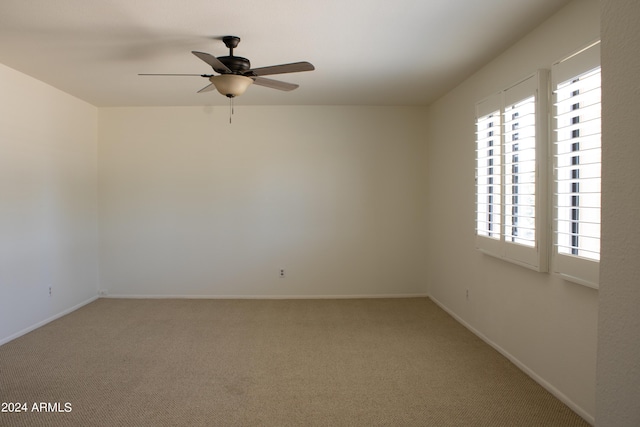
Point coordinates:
pixel 533 255
pixel 575 268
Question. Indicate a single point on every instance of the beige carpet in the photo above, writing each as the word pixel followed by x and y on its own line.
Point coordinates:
pixel 393 362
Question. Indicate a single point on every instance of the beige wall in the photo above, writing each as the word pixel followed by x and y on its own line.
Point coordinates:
pixel 191 205
pixel 618 397
pixel 48 208
pixel 543 323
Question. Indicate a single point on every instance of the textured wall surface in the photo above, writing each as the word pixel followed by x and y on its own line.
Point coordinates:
pixel 48 202
pixel 618 375
pixel 191 205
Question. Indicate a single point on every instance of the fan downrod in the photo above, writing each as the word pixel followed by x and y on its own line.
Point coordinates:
pixel 237 64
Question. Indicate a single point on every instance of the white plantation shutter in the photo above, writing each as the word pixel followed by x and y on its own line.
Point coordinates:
pixel 577 158
pixel 488 169
pixel 520 171
pixel 510 206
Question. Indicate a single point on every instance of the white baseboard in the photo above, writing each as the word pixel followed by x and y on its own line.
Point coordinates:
pixel 48 320
pixel 279 297
pixel 537 378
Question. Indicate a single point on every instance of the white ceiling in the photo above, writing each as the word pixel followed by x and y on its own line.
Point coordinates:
pixel 366 52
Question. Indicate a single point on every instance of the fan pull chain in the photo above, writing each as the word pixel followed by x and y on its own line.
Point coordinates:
pixel 231 111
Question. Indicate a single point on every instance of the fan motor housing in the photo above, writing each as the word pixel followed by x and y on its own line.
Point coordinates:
pixel 237 64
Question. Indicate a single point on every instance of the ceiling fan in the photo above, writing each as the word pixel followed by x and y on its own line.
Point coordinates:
pixel 236 74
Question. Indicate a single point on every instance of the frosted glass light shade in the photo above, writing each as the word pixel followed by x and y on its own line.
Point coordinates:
pixel 231 85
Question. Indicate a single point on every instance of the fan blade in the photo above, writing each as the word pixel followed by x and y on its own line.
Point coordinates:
pixel 207 88
pixel 215 63
pixel 294 67
pixel 274 84
pixel 199 75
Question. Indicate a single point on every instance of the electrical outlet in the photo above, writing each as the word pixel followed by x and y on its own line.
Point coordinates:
pixel 467 294
pixel 50 290
pixel 282 272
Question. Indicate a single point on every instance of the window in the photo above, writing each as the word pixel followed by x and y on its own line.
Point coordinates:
pixel 576 91
pixel 511 130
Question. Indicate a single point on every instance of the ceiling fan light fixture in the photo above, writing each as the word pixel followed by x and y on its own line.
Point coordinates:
pixel 231 85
